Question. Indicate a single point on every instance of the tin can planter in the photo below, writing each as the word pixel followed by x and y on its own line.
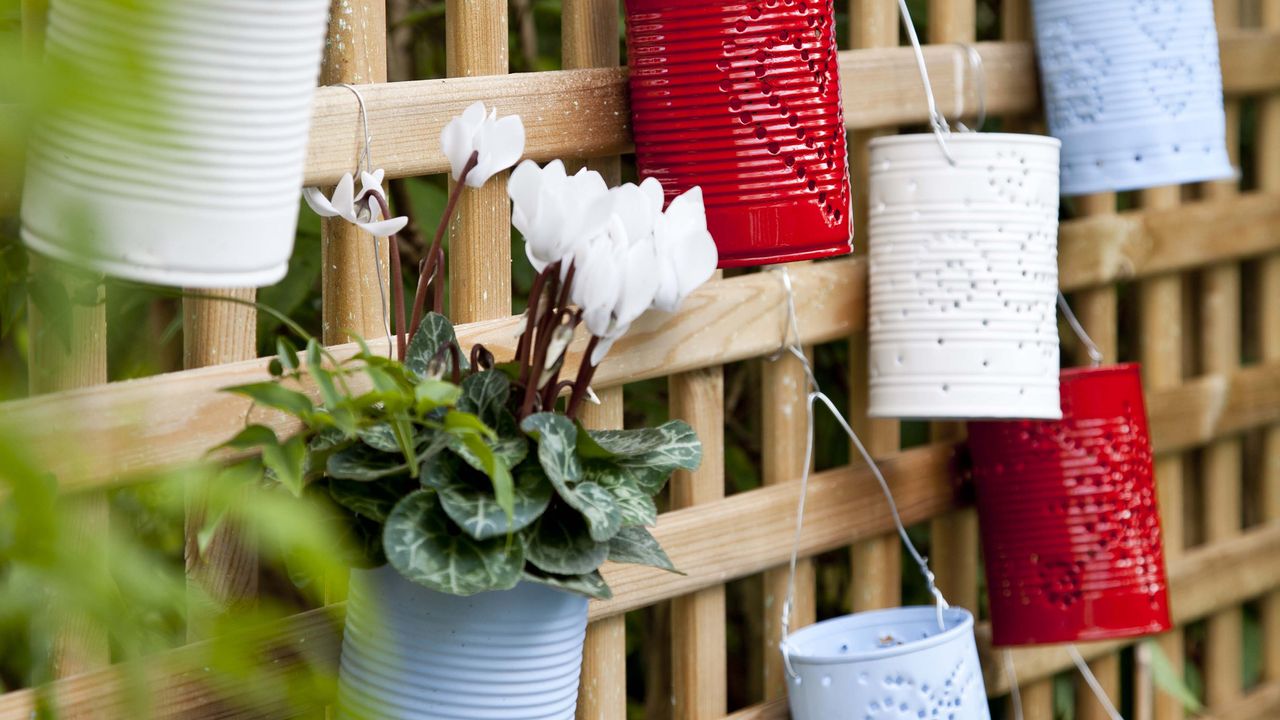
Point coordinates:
pixel 409 653
pixel 1133 89
pixel 964 277
pixel 183 164
pixel 887 664
pixel 1070 527
pixel 743 99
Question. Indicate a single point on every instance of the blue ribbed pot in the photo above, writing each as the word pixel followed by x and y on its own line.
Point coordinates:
pixel 409 653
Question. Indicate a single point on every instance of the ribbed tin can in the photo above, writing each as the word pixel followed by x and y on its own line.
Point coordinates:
pixel 893 663
pixel 181 160
pixel 743 99
pixel 964 277
pixel 1070 525
pixel 409 653
pixel 1133 88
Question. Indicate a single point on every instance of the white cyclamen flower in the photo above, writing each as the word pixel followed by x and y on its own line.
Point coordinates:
pixel 497 143
pixel 556 212
pixel 686 252
pixel 367 214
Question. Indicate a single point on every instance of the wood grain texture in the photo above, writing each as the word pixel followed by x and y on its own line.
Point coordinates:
pixel 1268 330
pixel 1037 700
pixel 70 351
pixel 352 263
pixel 698 645
pixel 216 330
pixel 602 694
pixel 783 392
pixel 1250 59
pixel 1160 300
pixel 876 563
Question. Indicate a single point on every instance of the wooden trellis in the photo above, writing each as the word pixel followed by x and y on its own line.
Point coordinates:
pixel 1190 264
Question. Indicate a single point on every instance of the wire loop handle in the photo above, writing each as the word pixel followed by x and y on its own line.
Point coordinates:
pixel 974 59
pixel 365 164
pixel 941 130
pixel 791 344
pixel 1095 354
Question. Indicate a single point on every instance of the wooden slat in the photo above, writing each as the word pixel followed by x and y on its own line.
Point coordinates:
pixel 1145 242
pixel 1202 581
pixel 1250 59
pixel 698 647
pixel 1268 330
pixel 215 332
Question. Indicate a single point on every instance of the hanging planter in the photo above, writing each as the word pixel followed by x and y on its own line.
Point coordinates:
pixel 182 164
pixel 1070 526
pixel 964 276
pixel 1134 91
pixel 409 652
pixel 887 663
pixel 744 100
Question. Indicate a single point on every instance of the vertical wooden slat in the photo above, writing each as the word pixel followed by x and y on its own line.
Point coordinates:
pixel 1268 157
pixel 1221 471
pixel 218 330
pixel 1098 313
pixel 589 30
pixel 876 562
pixel 1160 310
pixel 954 545
pixel 480 245
pixel 63 354
pixel 783 392
pixel 698 620
pixel 355 53
pixel 1037 701
pixel 602 694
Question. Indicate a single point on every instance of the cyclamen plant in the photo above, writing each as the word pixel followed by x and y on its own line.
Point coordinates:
pixel 460 471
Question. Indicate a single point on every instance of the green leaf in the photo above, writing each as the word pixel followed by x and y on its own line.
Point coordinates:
pixel 274 395
pixel 361 541
pixel 287 354
pixel 286 463
pixel 363 463
pixel 485 396
pixel 380 437
pixel 464 423
pixel 634 504
pixel 431 394
pixel 434 332
pixel 590 584
pixel 596 504
pixel 322 376
pixel 608 474
pixel 480 456
pixel 636 546
pixel 252 437
pixel 1168 679
pixel 427 548
pixel 476 510
pixel 667 447
pixel 560 542
pixel 557 438
pixel 373 500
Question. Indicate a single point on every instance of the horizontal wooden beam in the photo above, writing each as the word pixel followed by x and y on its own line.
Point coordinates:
pixel 1250 61
pixel 1205 580
pixel 98 436
pixel 1099 250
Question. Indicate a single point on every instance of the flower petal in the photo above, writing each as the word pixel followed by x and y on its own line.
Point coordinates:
pixel 318 203
pixel 500 144
pixel 639 284
pixel 604 345
pixel 344 198
pixel 385 228
pixel 652 188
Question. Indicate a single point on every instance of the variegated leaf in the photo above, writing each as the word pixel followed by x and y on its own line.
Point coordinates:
pixel 364 463
pixel 636 546
pixel 590 584
pixel 380 437
pixel 634 504
pixel 373 500
pixel 427 548
pixel 557 439
pixel 474 508
pixel 559 542
pixel 671 445
pixel 597 505
pixel 485 396
pixel 434 332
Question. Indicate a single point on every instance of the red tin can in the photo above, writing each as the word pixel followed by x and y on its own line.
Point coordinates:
pixel 1070 526
pixel 743 99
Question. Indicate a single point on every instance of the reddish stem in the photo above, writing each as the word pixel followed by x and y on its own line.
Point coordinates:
pixel 586 371
pixel 531 313
pixel 435 255
pixel 397 280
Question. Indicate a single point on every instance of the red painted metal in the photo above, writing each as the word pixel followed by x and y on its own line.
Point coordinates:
pixel 743 99
pixel 1070 527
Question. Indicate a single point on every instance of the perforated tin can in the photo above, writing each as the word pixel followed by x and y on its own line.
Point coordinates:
pixel 964 277
pixel 1070 526
pixel 743 99
pixel 895 663
pixel 1133 88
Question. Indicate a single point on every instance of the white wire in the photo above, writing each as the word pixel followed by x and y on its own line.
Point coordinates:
pixel 1093 683
pixel 939 123
pixel 1015 694
pixel 1095 355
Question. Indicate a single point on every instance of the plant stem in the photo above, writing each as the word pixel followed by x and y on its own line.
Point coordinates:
pixel 586 371
pixel 531 313
pixel 432 261
pixel 397 280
